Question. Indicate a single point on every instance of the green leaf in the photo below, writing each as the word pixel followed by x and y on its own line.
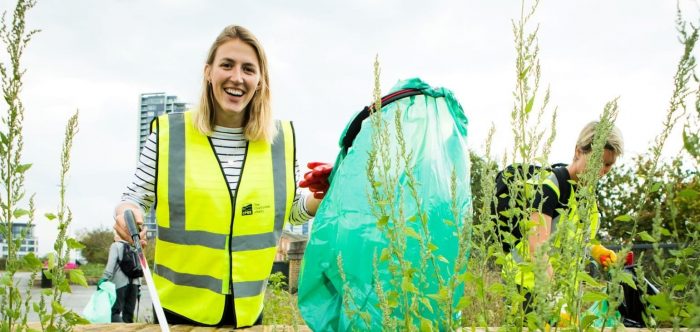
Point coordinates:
pixel 77 277
pixel 661 315
pixel 585 277
pixel 23 168
pixel 57 307
pixel 410 232
pixel 530 102
pixel 646 237
pixel 691 142
pixel 64 286
pixel 425 324
pixel 497 288
pixel 664 231
pixel 592 296
pixel 385 256
pixel 443 259
pixel 50 216
pixel 660 300
pixel 689 194
pixel 656 186
pixel 19 213
pixel 407 286
pixel 426 303
pixel 382 221
pixel 74 244
pixel 587 321
pixel 678 281
pixel 463 303
pixel 623 218
pixel 432 247
pixel 628 279
pixel 31 261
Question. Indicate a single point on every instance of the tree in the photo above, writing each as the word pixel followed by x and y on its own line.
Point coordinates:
pixel 97 242
pixel 675 188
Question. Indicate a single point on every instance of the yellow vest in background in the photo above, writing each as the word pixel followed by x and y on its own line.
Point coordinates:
pixel 209 243
pixel 521 252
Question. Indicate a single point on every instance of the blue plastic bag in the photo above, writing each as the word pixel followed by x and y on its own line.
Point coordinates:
pixel 99 308
pixel 435 129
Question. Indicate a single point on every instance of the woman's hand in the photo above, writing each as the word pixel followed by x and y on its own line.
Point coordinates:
pixel 317 178
pixel 120 223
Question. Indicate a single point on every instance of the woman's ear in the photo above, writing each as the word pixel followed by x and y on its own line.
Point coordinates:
pixel 207 72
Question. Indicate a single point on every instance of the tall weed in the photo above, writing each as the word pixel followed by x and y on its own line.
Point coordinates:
pixel 14 305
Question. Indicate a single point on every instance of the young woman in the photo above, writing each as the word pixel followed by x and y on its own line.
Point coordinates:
pixel 558 194
pixel 224 179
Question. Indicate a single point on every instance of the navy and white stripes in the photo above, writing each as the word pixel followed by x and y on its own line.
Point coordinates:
pixel 230 147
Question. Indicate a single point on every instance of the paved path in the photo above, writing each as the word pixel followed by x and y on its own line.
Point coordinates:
pixel 79 297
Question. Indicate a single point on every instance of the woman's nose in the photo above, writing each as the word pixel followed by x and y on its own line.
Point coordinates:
pixel 236 75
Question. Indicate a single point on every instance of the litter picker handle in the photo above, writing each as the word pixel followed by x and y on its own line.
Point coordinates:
pixel 160 314
pixel 131 226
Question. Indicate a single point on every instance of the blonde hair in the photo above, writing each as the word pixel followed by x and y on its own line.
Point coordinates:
pixel 257 120
pixel 614 142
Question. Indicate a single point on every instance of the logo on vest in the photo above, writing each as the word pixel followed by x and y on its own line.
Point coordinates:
pixel 254 208
pixel 247 210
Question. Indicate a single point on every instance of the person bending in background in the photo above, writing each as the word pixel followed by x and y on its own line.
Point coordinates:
pixel 558 194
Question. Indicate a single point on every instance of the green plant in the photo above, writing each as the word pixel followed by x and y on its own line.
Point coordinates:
pixel 13 305
pixel 280 310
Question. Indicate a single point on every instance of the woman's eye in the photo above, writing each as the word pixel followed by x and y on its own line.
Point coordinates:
pixel 226 65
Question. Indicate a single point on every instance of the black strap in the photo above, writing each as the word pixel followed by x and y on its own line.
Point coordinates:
pixel 356 123
pixel 562 175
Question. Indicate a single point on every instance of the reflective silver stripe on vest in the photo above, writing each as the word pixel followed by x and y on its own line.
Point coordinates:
pixel 248 288
pixel 176 171
pixel 254 241
pixel 199 238
pixel 194 280
pixel 279 179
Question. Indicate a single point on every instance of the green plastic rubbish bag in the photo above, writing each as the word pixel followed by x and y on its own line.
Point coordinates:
pixel 600 310
pixel 99 308
pixel 435 129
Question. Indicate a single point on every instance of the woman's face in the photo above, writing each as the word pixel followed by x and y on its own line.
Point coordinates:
pixel 609 159
pixel 234 77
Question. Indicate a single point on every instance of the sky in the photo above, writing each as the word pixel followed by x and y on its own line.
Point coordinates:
pixel 98 56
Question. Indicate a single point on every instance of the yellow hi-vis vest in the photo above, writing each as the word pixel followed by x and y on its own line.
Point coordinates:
pixel 521 252
pixel 209 243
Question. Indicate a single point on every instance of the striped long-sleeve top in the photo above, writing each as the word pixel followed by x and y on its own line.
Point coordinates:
pixel 230 147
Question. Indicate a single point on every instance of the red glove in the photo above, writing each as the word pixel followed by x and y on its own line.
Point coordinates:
pixel 317 178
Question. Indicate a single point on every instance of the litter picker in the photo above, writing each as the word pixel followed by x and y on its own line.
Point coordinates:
pixel 131 225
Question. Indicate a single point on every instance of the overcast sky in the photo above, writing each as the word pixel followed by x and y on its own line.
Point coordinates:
pixel 98 56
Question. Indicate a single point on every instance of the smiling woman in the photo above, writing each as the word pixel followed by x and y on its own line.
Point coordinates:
pixel 210 169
